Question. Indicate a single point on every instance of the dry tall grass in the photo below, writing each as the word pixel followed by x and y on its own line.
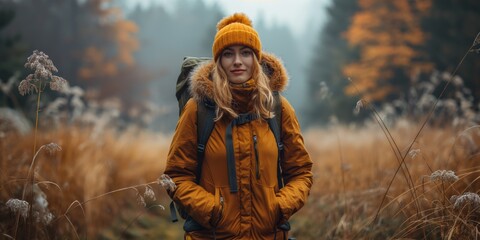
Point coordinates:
pixel 85 168
pixel 353 168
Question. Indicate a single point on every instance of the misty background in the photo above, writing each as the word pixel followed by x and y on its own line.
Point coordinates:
pixel 126 55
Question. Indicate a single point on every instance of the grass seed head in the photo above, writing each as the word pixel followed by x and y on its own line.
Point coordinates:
pixel 52 148
pixel 18 206
pixel 149 194
pixel 413 153
pixel 359 106
pixel 141 200
pixel 444 175
pixel 166 182
pixel 466 200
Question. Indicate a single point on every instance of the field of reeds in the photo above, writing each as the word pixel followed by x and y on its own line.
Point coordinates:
pixel 409 173
pixel 353 169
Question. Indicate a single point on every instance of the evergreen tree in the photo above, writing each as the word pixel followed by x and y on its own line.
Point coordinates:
pixel 275 40
pixel 451 26
pixel 165 38
pixel 326 81
pixel 11 52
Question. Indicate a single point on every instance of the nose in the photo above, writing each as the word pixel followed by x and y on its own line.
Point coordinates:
pixel 237 60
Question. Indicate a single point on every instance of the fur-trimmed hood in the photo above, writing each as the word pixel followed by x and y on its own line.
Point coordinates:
pixel 201 85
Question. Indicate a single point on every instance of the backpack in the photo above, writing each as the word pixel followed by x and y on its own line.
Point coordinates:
pixel 205 120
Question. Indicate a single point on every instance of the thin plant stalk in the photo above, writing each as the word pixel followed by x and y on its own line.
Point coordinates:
pixel 36 120
pixel 343 174
pixel 105 194
pixel 422 127
pixel 396 151
pixel 29 173
pixel 31 177
pixel 135 219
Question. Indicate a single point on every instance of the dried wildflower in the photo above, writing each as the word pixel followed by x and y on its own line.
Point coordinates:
pixel 27 85
pixel 476 44
pixel 413 153
pixel 43 218
pixel 477 40
pixel 40 60
pixel 166 182
pixel 323 91
pixel 43 68
pixel 7 87
pixel 444 175
pixel 466 200
pixel 457 81
pixel 141 200
pixel 450 105
pixel 55 106
pixel 42 73
pixel 149 194
pixel 58 83
pixel 52 148
pixel 358 107
pixel 41 213
pixel 453 198
pixel 18 206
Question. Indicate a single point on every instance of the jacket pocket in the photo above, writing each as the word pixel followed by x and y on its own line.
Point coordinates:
pixel 217 212
pixel 266 210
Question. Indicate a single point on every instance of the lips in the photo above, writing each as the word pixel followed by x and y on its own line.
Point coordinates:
pixel 237 71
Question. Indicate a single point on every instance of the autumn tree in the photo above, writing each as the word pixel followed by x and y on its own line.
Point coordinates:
pixel 390 38
pixel 108 58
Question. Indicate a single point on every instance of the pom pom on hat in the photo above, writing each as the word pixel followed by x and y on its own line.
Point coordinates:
pixel 236 29
pixel 237 17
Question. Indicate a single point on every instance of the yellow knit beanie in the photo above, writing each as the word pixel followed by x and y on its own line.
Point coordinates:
pixel 236 29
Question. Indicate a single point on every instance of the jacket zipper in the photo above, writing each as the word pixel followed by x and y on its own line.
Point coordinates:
pixel 220 214
pixel 257 162
pixel 221 206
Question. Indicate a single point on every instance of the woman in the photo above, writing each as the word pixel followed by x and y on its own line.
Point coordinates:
pixel 239 198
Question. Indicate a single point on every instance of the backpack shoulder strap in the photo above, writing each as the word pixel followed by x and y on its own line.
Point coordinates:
pixel 205 124
pixel 275 124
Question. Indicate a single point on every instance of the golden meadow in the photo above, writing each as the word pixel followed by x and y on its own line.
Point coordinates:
pixel 396 176
pixel 353 168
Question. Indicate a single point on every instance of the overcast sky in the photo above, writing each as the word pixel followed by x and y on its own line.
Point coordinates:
pixel 299 15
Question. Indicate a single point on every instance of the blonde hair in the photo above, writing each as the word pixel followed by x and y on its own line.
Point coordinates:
pixel 262 96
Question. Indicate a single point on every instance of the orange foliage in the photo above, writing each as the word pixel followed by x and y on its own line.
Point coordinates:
pixel 388 35
pixel 105 63
pixel 97 65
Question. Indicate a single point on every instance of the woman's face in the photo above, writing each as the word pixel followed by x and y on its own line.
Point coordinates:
pixel 237 61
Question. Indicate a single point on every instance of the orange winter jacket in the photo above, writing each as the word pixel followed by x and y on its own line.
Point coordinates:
pixel 259 206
